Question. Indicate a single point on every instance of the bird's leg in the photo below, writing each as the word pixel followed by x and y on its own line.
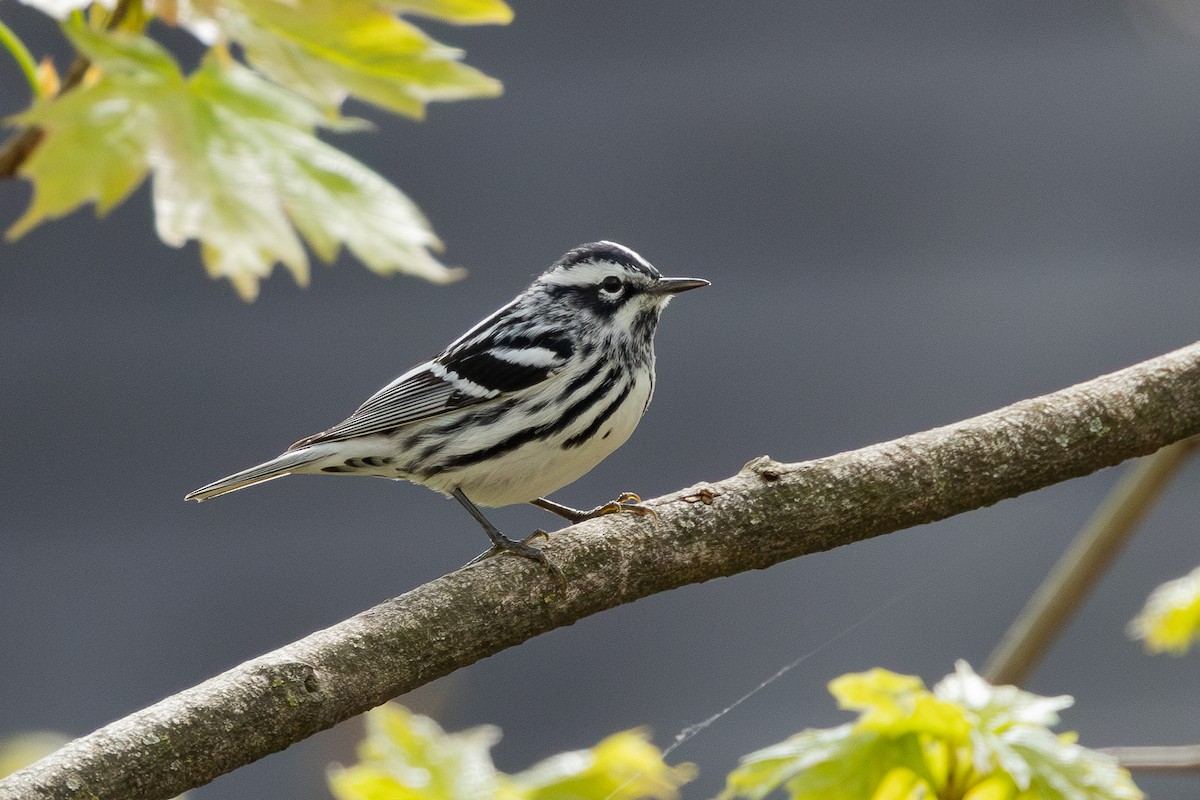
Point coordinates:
pixel 627 503
pixel 503 544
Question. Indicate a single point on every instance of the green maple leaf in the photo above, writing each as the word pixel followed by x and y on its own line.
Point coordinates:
pixel 1170 620
pixel 624 766
pixel 841 763
pixel 1010 733
pixel 236 164
pixel 97 138
pixel 329 49
pixel 409 757
pixel 965 739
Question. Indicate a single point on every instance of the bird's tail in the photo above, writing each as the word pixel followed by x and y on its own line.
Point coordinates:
pixel 285 464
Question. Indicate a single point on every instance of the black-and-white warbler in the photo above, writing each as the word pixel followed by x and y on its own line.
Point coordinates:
pixel 526 402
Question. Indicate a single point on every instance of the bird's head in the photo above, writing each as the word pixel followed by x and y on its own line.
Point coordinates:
pixel 612 283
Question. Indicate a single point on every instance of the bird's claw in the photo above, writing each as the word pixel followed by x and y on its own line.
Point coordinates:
pixel 626 503
pixel 538 534
pixel 524 550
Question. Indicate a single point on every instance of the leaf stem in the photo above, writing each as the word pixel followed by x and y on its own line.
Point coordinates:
pixel 23 57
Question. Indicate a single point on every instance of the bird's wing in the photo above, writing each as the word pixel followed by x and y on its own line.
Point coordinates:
pixel 471 372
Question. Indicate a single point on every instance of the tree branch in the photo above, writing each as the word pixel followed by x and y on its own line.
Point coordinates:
pixel 767 513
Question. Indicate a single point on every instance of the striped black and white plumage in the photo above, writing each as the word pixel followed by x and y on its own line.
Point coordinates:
pixel 524 403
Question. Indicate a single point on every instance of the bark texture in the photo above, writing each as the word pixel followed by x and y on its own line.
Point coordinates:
pixel 767 513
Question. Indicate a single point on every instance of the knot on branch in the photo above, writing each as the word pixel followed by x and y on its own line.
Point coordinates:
pixel 766 468
pixel 294 683
pixel 705 495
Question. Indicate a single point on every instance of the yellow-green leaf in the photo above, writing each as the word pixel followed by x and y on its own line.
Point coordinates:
pixel 329 49
pixel 876 691
pixel 21 750
pixel 94 150
pixel 1170 620
pixel 964 739
pixel 836 763
pixel 460 12
pixel 897 703
pixel 236 163
pixel 97 138
pixel 998 709
pixel 1052 767
pixel 409 757
pixel 625 766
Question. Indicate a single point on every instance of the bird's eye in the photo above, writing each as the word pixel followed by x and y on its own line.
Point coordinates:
pixel 611 285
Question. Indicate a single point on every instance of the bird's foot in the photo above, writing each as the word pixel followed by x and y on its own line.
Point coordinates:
pixel 626 503
pixel 523 548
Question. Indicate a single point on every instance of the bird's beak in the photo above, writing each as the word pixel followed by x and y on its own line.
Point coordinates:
pixel 676 285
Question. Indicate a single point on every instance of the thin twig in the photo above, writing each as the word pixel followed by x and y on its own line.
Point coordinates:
pixel 1083 564
pixel 1165 758
pixel 767 513
pixel 17 149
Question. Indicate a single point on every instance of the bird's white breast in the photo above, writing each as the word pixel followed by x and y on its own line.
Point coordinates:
pixel 538 468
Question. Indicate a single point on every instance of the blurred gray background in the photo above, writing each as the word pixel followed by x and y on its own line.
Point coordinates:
pixel 911 213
